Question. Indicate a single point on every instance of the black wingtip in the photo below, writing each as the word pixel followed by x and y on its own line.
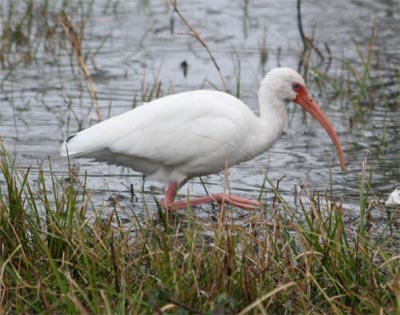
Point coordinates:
pixel 69 138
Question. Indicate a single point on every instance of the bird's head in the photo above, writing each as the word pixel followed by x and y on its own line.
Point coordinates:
pixel 289 86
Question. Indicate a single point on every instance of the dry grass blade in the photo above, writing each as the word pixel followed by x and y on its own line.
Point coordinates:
pixel 266 296
pixel 197 36
pixel 75 38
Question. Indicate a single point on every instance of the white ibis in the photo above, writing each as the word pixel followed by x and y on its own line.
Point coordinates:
pixel 394 198
pixel 184 135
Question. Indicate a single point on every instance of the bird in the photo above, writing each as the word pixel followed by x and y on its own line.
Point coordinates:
pixel 196 133
pixel 393 200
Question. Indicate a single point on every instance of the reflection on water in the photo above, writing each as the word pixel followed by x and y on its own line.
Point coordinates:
pixel 131 47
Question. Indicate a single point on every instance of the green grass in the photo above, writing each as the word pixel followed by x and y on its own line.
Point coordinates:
pixel 58 257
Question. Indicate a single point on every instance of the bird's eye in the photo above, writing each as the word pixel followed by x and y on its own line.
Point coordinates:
pixel 296 86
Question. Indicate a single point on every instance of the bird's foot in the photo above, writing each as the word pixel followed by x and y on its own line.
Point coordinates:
pixel 232 200
pixel 237 201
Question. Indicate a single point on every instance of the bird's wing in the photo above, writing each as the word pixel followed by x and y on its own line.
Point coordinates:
pixel 169 131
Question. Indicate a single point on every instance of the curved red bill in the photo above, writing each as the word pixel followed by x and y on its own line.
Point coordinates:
pixel 306 101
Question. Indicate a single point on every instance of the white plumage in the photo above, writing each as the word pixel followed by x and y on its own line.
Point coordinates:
pixel 180 136
pixel 393 199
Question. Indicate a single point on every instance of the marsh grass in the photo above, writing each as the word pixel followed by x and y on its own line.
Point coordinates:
pixel 362 81
pixel 57 256
pixel 45 29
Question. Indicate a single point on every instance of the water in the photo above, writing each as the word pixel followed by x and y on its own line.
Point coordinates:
pixel 132 45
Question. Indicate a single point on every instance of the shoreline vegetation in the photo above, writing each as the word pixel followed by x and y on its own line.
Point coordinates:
pixel 61 254
pixel 58 257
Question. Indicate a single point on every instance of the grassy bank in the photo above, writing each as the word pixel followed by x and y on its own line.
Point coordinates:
pixel 57 257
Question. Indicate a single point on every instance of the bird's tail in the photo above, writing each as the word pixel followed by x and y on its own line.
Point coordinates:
pixel 82 144
pixel 66 146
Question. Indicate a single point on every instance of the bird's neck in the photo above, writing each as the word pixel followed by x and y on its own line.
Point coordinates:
pixel 273 110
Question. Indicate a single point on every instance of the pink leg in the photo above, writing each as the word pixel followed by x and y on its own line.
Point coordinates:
pixel 170 194
pixel 233 200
